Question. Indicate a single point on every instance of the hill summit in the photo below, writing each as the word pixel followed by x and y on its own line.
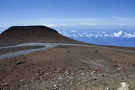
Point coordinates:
pixel 24 34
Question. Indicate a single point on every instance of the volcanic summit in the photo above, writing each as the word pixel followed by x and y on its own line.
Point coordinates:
pixel 24 34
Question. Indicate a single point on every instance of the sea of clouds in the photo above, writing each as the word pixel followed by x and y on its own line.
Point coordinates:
pixel 115 34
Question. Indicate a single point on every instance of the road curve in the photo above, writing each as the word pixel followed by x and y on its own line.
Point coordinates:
pixel 49 45
pixel 25 52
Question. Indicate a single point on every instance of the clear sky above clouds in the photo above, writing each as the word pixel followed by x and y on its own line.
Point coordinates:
pixel 68 12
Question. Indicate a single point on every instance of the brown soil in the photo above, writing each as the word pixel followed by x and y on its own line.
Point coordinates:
pixel 126 48
pixel 69 68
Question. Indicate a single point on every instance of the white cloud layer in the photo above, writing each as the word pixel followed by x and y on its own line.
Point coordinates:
pixel 119 34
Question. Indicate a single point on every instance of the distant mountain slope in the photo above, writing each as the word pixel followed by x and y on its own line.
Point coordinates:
pixel 23 34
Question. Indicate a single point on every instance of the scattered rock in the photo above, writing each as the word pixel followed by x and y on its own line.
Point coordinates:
pixel 93 72
pixel 96 51
pixel 19 63
pixel 68 51
pixel 55 87
pixel 4 84
pixel 60 78
pixel 21 80
pixel 108 88
pixel 124 86
pixel 103 75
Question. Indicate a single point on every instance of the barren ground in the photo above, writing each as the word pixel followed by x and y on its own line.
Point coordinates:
pixel 69 68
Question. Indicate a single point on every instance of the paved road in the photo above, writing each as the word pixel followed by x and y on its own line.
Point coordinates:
pixel 47 46
pixel 24 52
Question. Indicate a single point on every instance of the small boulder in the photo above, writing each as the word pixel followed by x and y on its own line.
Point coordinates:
pixel 124 86
pixel 19 63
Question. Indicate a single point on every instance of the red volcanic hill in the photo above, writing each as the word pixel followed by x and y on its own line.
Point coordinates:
pixel 24 34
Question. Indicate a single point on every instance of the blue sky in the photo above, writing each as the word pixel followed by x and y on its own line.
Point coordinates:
pixel 94 13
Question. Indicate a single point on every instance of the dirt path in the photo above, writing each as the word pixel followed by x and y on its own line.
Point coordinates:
pixel 46 46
